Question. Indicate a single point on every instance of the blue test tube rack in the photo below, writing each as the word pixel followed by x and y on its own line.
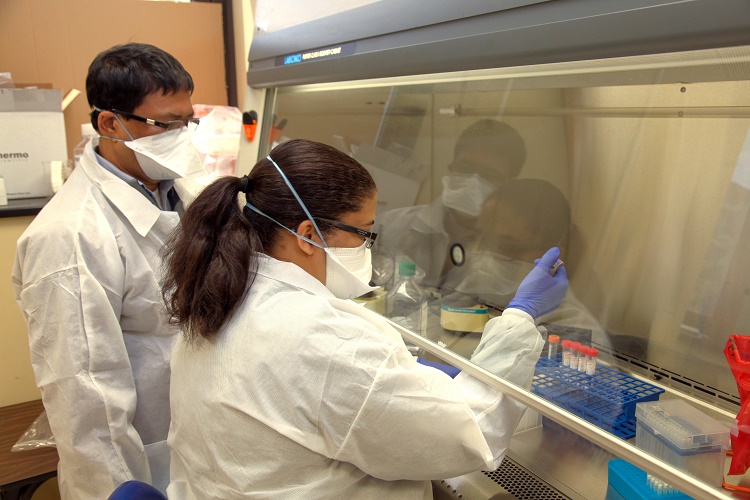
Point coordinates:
pixel 606 399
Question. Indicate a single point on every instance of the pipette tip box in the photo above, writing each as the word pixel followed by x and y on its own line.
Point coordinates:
pixel 683 436
pixel 631 483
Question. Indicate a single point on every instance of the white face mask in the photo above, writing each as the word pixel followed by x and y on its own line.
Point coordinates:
pixel 169 155
pixel 489 276
pixel 348 271
pixel 466 193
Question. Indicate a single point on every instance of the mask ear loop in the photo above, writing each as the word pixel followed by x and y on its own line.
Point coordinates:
pixel 282 226
pixel 289 184
pixel 299 200
pixel 123 126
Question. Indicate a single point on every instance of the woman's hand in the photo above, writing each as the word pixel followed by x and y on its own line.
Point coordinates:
pixel 541 291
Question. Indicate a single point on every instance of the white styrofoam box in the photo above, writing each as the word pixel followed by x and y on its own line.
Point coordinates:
pixel 32 135
pixel 3 194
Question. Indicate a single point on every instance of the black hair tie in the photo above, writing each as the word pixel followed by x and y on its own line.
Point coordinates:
pixel 244 183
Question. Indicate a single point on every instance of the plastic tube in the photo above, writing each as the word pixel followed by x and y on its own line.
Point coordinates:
pixel 582 358
pixel 566 352
pixel 574 347
pixel 554 341
pixel 591 361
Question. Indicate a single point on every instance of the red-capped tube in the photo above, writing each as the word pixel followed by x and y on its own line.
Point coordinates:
pixel 566 352
pixel 554 341
pixel 582 357
pixel 574 353
pixel 591 361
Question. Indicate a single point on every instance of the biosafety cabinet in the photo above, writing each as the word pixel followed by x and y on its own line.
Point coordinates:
pixel 618 131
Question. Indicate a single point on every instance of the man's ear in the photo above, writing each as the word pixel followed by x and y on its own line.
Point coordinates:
pixel 307 230
pixel 107 123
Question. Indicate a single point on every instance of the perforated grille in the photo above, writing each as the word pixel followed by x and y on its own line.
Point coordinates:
pixel 523 485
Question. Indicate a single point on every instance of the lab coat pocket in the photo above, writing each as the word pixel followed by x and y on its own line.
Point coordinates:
pixel 158 460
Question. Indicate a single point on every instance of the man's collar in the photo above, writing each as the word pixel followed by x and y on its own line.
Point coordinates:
pixel 141 215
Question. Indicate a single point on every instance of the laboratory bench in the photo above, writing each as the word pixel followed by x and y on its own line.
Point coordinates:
pixel 22 472
pixel 545 459
pixel 547 462
pixel 21 207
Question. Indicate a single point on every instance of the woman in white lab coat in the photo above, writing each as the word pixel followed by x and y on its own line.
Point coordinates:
pixel 283 388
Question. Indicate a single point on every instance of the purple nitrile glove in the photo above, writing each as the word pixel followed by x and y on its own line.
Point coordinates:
pixel 540 292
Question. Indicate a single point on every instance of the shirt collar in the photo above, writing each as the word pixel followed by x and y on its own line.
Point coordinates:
pixel 163 186
pixel 141 216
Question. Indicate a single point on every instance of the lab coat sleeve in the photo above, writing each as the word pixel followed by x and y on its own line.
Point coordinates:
pixel 509 348
pixel 419 424
pixel 80 361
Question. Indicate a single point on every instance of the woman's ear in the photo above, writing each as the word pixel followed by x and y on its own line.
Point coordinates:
pixel 307 230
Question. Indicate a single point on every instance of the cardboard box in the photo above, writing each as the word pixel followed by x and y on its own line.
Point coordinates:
pixel 32 134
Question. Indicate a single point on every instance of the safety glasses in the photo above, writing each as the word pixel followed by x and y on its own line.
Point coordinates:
pixel 190 123
pixel 368 236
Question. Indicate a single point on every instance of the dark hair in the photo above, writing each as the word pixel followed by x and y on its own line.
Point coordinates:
pixel 496 138
pixel 121 77
pixel 210 262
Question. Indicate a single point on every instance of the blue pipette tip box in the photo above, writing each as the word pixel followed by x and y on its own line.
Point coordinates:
pixel 631 483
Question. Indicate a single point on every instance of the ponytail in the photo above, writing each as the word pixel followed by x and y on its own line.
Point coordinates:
pixel 212 260
pixel 209 260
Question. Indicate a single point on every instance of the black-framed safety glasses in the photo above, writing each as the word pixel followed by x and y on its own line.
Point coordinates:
pixel 190 123
pixel 368 236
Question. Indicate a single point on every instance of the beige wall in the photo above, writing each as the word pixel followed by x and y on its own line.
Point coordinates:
pixel 49 41
pixel 17 379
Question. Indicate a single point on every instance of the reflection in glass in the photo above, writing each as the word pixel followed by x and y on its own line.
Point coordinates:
pixel 642 181
pixel 486 154
pixel 649 171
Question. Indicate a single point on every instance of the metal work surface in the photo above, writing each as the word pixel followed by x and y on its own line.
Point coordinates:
pixel 570 455
pixel 563 459
pixel 548 462
pixel 509 481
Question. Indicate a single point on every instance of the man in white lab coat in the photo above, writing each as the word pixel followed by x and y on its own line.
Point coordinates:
pixel 86 276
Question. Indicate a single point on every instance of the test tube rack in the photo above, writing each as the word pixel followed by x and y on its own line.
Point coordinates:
pixel 607 399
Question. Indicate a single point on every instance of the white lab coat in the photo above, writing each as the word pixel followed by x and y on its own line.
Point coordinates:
pixel 418 234
pixel 306 396
pixel 86 280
